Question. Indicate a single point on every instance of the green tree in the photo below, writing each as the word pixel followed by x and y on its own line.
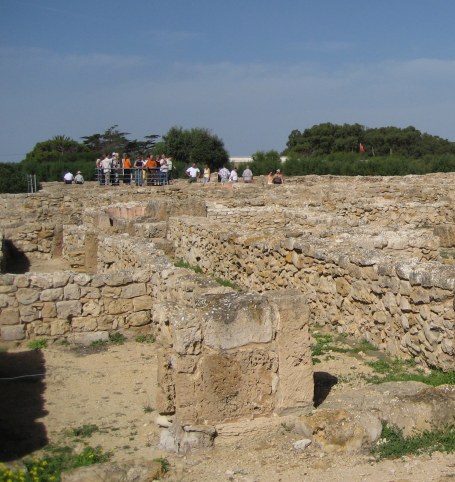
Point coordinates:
pixel 195 145
pixel 264 162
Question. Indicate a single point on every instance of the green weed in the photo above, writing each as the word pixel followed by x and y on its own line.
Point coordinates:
pixel 85 430
pixel 50 467
pixel 117 338
pixel 405 370
pixel 226 283
pixel 165 466
pixel 393 444
pixel 145 339
pixel 180 263
pixel 38 344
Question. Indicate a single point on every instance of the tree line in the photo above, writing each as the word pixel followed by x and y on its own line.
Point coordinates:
pixel 348 149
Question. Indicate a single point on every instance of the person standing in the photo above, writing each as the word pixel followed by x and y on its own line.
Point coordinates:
pixel 126 164
pixel 106 165
pixel 138 164
pixel 170 166
pixel 163 170
pixel 224 174
pixel 206 175
pixel 247 175
pixel 193 173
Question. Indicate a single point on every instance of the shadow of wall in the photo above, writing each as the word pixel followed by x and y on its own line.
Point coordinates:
pixel 21 404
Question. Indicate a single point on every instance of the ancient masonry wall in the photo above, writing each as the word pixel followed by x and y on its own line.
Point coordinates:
pixel 222 355
pixel 404 307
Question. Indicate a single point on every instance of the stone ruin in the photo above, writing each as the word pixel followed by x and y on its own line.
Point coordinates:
pixel 369 257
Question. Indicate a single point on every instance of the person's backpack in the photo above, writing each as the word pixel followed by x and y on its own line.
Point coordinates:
pixel 277 180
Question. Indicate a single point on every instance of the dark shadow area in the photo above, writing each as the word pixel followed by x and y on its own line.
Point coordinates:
pixel 14 260
pixel 323 383
pixel 21 404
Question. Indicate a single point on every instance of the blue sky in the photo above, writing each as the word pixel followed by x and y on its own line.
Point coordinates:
pixel 250 71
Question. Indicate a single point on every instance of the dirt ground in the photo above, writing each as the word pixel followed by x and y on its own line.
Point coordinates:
pixel 114 389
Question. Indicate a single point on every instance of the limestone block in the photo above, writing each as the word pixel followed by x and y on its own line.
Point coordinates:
pixel 5 289
pixel 106 322
pixel 117 306
pixel 6 300
pixel 360 292
pixel 133 290
pixel 110 292
pixel 142 303
pixel 87 338
pixel 90 292
pixel 91 308
pixel 9 316
pixel 227 386
pixel 72 292
pixel 118 279
pixel 60 327
pixel 22 281
pixel 43 281
pixel 60 279
pixel 84 323
pixel 295 373
pixel 27 296
pixel 338 430
pixel 236 319
pixel 342 286
pixel 12 332
pixel 82 279
pixel 139 318
pixel 42 328
pixel 29 313
pixel 55 294
pixel 7 279
pixel 68 309
pixel 48 310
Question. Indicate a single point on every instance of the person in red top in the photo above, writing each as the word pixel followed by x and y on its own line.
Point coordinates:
pixel 126 165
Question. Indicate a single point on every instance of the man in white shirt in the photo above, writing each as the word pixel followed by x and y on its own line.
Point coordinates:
pixel 193 173
pixel 247 175
pixel 233 177
pixel 106 165
pixel 224 174
pixel 68 178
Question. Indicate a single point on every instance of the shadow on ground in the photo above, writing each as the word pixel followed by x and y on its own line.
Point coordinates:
pixel 323 383
pixel 21 404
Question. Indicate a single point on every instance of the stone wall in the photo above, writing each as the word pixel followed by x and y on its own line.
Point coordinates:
pixel 404 307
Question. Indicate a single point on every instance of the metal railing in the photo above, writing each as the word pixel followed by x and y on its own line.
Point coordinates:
pixel 134 176
pixel 31 183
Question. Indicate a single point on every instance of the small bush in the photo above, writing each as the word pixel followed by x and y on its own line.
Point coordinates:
pixel 38 344
pixel 165 466
pixel 85 430
pixel 117 338
pixel 145 339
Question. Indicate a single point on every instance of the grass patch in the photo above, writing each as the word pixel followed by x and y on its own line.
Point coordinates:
pixel 145 339
pixel 227 284
pixel 405 371
pixel 85 430
pixel 38 344
pixel 165 465
pixel 53 463
pixel 117 338
pixel 148 409
pixel 180 263
pixel 393 444
pixel 447 253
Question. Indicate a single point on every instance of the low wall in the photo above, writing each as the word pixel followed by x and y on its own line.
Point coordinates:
pixel 222 356
pixel 404 307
